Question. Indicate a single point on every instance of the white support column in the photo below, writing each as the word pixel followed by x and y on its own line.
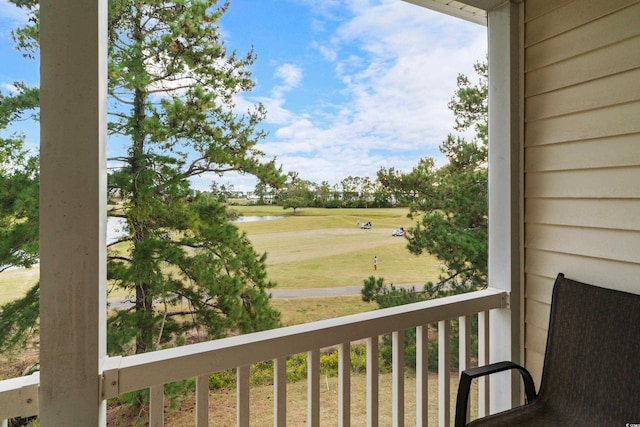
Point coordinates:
pixel 505 206
pixel 73 65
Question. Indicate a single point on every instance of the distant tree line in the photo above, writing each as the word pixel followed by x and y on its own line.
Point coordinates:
pixel 351 192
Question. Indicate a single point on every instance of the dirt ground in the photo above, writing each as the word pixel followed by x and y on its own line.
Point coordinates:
pixel 11 367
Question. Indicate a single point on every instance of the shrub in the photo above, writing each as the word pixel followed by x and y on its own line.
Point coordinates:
pixel 262 372
pixel 374 290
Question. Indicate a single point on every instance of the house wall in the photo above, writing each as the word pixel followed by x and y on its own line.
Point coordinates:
pixel 581 152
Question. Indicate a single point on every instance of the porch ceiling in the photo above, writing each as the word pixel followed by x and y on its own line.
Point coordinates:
pixel 470 10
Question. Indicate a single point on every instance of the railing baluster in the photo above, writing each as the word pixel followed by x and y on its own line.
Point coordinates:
pixel 313 388
pixel 444 375
pixel 483 359
pixel 280 392
pixel 398 378
pixel 156 406
pixel 202 401
pixel 344 385
pixel 464 348
pixel 422 370
pixel 243 374
pixel 372 382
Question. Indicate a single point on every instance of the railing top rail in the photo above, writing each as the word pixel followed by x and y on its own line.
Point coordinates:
pixel 19 396
pixel 130 373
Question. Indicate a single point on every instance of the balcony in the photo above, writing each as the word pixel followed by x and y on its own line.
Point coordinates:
pixel 19 397
pixel 569 168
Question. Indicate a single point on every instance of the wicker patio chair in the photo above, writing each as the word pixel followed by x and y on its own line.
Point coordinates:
pixel 591 372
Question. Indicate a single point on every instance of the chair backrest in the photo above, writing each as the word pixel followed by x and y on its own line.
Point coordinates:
pixel 592 363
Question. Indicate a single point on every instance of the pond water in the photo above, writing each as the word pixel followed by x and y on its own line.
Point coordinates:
pixel 117 227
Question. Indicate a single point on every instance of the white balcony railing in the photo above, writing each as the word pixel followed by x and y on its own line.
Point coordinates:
pixel 19 397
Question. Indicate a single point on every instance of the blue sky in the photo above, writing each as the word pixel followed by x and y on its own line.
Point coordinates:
pixel 350 86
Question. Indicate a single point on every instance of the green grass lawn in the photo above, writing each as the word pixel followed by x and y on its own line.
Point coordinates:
pixel 303 310
pixel 322 248
pixel 15 283
pixel 315 248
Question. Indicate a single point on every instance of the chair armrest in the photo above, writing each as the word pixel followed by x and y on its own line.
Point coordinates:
pixel 462 398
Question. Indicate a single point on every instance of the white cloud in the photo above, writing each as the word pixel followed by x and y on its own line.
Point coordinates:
pixel 398 83
pixel 276 113
pixel 329 53
pixel 11 16
pixel 290 75
pixel 9 87
pixel 396 66
pixel 299 130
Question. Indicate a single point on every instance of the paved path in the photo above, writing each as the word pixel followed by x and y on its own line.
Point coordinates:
pixel 119 303
pixel 324 292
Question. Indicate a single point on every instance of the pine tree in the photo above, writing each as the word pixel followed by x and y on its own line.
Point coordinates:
pixel 184 266
pixel 19 187
pixel 19 240
pixel 449 202
pixel 172 85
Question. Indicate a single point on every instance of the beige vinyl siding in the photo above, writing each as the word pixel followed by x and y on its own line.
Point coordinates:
pixel 579 27
pixel 595 153
pixel 575 13
pixel 590 65
pixel 598 271
pixel 607 214
pixel 581 152
pixel 593 95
